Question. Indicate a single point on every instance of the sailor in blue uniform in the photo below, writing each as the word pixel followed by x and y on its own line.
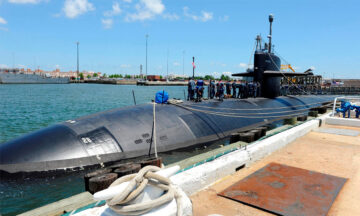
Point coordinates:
pixel 191 89
pixel 212 89
pixel 233 85
pixel 228 89
pixel 221 90
pixel 240 91
pixel 199 90
pixel 258 90
pixel 246 89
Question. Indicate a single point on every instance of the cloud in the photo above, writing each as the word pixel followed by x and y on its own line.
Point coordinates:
pixel 125 66
pixel 227 73
pixel 3 66
pixel 107 23
pixel 74 8
pixel 21 66
pixel 127 1
pixel 312 67
pixel 176 64
pixel 224 18
pixel 2 21
pixel 215 74
pixel 243 65
pixel 204 17
pixel 146 9
pixel 24 1
pixel 116 10
pixel 171 17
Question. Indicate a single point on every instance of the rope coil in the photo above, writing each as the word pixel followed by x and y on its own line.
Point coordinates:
pixel 121 203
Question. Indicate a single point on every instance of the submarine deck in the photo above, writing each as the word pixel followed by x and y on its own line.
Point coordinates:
pixel 321 151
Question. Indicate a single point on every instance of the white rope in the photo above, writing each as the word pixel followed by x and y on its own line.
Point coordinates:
pixel 257 113
pixel 154 136
pixel 121 203
pixel 240 116
pixel 250 109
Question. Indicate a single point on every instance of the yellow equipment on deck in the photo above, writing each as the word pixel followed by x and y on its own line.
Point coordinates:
pixel 286 67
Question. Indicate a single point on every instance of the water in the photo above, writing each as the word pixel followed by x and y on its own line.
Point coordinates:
pixel 26 108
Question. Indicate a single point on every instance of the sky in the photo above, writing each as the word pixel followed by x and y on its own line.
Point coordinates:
pixel 220 34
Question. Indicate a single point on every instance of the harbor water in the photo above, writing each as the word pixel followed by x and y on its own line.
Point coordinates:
pixel 26 108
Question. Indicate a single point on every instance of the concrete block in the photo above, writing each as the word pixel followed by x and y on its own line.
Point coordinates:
pixel 342 121
pixel 201 176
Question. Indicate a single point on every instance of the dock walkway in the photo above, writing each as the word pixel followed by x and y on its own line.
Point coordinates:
pixel 319 150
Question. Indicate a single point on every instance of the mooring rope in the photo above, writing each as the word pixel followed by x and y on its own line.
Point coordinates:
pixel 243 115
pixel 121 202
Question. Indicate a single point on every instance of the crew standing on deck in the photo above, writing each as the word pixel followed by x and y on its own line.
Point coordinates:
pixel 228 89
pixel 240 87
pixel 212 89
pixel 191 89
pixel 199 90
pixel 246 89
pixel 221 90
pixel 258 90
pixel 233 85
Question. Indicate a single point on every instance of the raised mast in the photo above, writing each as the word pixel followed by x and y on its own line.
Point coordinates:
pixel 271 18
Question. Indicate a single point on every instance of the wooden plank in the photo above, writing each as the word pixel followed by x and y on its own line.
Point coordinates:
pixel 62 206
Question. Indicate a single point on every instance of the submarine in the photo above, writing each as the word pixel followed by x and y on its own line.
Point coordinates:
pixel 126 133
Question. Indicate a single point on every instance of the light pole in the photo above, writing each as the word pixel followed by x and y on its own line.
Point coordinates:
pixel 146 65
pixel 167 65
pixel 77 68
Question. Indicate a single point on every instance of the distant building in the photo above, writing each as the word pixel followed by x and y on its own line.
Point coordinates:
pixel 57 73
pixel 153 77
pixel 174 76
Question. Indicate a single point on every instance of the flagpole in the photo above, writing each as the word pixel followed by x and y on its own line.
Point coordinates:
pixel 193 67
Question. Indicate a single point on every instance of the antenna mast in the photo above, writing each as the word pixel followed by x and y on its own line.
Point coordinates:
pixel 271 19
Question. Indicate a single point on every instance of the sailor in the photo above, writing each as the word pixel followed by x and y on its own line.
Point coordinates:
pixel 241 89
pixel 250 89
pixel 199 90
pixel 228 89
pixel 221 90
pixel 233 85
pixel 246 89
pixel 254 90
pixel 212 89
pixel 191 89
pixel 258 89
pixel 282 92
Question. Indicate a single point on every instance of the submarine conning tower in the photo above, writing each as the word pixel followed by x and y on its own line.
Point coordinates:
pixel 265 60
pixel 267 66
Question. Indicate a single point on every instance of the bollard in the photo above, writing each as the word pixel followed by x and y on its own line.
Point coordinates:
pixel 313 113
pixel 88 176
pixel 234 137
pixel 263 130
pixel 247 137
pixel 101 182
pixel 290 121
pixel 151 161
pixel 322 110
pixel 302 118
pixel 257 134
pixel 127 169
pixel 118 165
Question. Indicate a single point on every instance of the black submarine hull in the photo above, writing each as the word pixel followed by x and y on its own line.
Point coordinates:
pixel 126 132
